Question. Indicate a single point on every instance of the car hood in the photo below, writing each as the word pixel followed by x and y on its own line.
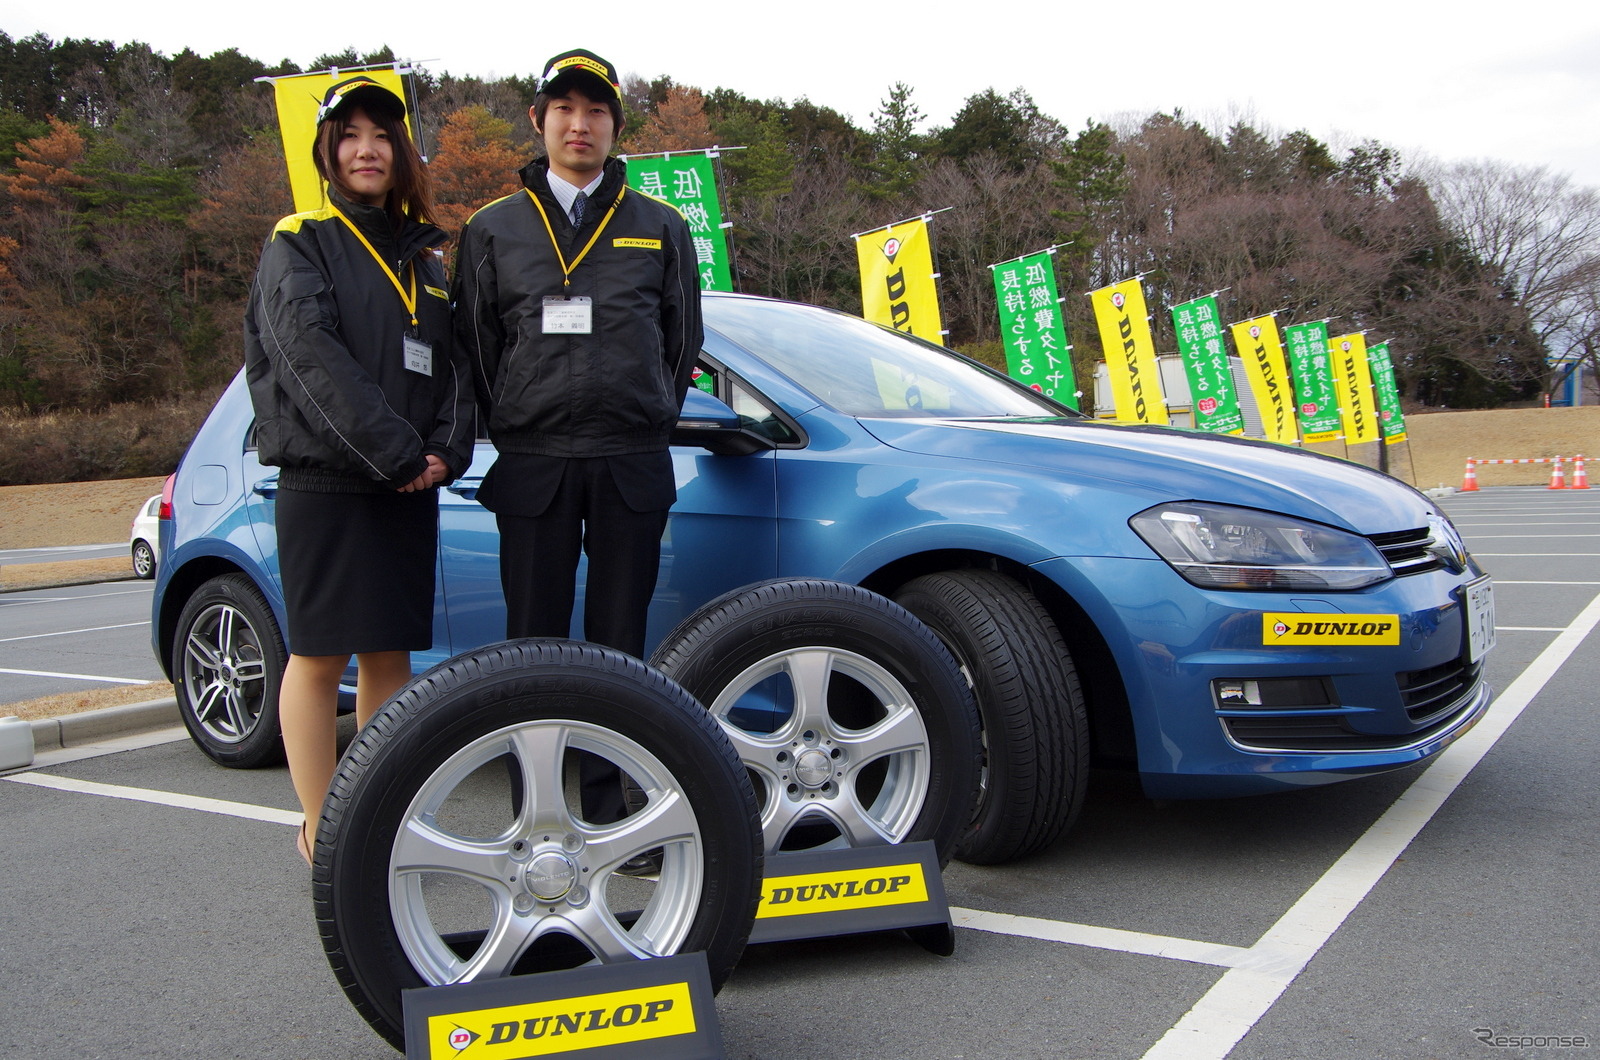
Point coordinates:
pixel 1157 464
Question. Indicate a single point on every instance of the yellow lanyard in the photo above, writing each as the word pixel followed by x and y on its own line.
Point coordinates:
pixel 566 270
pixel 410 300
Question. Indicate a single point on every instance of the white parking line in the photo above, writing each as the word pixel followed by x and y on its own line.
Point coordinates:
pixel 160 798
pixel 1228 1011
pixel 70 632
pixel 1100 938
pixel 80 677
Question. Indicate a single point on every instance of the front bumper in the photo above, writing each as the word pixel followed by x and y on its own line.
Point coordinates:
pixel 1349 709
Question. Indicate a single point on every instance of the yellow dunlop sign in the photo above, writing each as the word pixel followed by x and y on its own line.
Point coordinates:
pixel 564 1025
pixel 298 97
pixel 1297 627
pixel 1130 352
pixel 830 892
pixel 1262 351
pixel 623 242
pixel 1353 372
pixel 898 287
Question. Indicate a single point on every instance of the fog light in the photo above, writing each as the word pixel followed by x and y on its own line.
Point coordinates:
pixel 1273 693
pixel 1238 693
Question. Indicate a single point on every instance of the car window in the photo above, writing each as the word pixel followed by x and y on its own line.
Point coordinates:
pixel 755 415
pixel 864 370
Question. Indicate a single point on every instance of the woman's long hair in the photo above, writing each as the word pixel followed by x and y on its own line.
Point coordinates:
pixel 412 194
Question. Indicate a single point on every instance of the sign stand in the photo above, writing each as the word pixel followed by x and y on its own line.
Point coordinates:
pixel 657 1009
pixel 816 894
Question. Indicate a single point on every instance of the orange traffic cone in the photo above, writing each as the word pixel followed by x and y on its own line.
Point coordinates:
pixel 1558 479
pixel 1580 477
pixel 1469 482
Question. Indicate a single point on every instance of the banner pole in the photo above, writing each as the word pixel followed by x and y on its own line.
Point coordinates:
pixel 903 220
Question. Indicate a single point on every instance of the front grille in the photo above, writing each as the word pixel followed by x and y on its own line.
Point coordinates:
pixel 1428 693
pixel 1408 551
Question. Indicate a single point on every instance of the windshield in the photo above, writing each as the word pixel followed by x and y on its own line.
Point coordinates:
pixel 864 370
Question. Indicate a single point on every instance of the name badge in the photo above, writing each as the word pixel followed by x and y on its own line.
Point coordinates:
pixel 419 356
pixel 568 316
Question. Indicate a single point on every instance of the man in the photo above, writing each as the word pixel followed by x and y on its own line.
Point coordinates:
pixel 578 303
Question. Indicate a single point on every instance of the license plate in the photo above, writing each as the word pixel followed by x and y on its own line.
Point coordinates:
pixel 1480 618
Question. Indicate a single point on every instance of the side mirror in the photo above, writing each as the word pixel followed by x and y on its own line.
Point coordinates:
pixel 707 423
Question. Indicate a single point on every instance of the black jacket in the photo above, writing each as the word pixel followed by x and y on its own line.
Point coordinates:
pixel 615 391
pixel 336 407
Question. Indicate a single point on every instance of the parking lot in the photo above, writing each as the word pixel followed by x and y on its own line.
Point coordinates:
pixel 153 905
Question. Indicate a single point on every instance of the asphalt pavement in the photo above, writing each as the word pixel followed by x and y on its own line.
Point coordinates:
pixel 153 906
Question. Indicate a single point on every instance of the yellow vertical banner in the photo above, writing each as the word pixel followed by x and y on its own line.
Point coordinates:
pixel 1130 352
pixel 897 279
pixel 1261 348
pixel 1357 411
pixel 298 98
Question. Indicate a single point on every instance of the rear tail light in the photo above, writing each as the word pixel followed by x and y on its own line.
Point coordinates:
pixel 165 512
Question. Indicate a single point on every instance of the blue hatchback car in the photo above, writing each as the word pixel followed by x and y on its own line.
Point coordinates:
pixel 1222 616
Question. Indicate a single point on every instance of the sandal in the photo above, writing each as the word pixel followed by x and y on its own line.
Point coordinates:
pixel 302 844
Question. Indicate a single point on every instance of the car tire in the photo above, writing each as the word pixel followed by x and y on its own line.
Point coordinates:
pixel 227 665
pixel 144 560
pixel 871 735
pixel 1035 725
pixel 424 852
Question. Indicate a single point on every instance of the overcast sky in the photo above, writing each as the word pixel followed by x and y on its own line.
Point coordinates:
pixel 1513 81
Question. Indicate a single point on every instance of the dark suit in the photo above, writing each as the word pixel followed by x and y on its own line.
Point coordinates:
pixel 549 509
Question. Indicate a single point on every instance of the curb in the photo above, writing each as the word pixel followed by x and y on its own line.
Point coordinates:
pixel 62 583
pixel 18 745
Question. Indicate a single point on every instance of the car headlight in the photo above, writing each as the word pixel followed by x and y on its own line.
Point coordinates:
pixel 1217 546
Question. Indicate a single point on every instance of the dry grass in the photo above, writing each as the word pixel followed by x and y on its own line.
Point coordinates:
pixel 68 572
pixel 77 702
pixel 72 513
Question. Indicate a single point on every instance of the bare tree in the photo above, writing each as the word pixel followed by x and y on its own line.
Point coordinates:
pixel 1541 233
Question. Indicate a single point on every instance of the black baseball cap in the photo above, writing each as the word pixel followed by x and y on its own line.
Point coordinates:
pixel 579 62
pixel 361 92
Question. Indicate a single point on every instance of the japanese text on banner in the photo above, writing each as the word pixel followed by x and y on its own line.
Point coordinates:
pixel 1387 390
pixel 1315 394
pixel 1205 362
pixel 689 182
pixel 1033 328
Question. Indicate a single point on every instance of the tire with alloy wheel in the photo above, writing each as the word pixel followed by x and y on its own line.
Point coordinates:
pixel 853 721
pixel 144 560
pixel 1035 726
pixel 227 663
pixel 435 863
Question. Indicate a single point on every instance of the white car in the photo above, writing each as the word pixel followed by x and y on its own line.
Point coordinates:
pixel 143 538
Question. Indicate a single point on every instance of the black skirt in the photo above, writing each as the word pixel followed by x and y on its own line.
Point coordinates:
pixel 358 570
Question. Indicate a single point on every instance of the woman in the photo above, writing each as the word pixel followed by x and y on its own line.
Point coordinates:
pixel 363 402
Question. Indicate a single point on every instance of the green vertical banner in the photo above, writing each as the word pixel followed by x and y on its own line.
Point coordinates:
pixel 1316 403
pixel 1383 381
pixel 689 182
pixel 1033 328
pixel 1205 361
